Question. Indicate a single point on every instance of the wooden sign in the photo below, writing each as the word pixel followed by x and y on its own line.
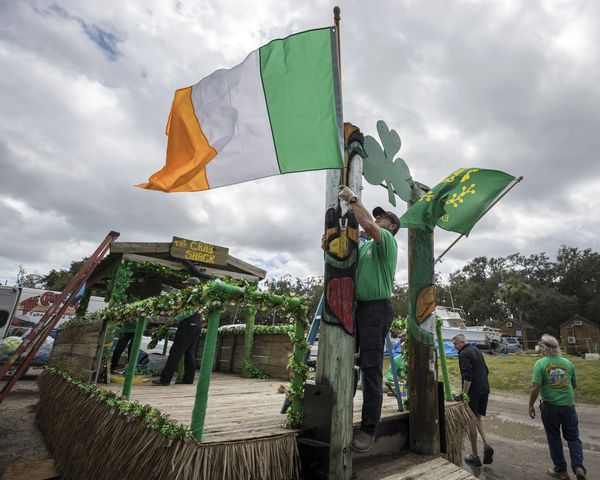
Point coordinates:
pixel 196 251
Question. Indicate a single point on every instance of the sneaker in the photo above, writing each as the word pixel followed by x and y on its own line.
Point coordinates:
pixel 488 455
pixel 158 381
pixel 580 473
pixel 561 475
pixel 473 460
pixel 362 441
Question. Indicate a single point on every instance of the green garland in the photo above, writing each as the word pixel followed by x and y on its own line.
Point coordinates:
pixel 254 371
pixel 147 267
pixel 117 286
pixel 151 416
pixel 83 302
pixel 259 330
pixel 401 325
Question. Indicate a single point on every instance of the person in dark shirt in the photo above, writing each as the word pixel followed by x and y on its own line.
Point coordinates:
pixel 474 373
pixel 184 345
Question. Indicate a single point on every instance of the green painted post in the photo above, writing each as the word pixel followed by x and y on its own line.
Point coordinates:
pixel 166 345
pixel 249 340
pixel 208 358
pixel 180 370
pixel 133 355
pixel 442 354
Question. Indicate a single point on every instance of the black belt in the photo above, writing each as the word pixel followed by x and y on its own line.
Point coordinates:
pixel 368 303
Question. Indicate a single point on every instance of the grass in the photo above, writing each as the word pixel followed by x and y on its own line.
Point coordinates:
pixel 512 373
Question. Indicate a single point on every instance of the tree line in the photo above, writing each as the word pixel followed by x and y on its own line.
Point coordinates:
pixel 532 289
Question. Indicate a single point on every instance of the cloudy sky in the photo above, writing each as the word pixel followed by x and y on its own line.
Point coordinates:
pixel 86 89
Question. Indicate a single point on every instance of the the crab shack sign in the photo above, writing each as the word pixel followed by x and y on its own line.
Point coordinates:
pixel 196 251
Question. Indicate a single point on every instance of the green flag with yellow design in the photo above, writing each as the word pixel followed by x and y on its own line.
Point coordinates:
pixel 458 201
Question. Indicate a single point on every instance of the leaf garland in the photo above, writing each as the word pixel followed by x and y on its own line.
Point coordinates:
pixel 254 371
pixel 151 416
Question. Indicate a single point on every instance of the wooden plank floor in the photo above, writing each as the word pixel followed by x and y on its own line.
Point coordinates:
pixel 408 467
pixel 238 408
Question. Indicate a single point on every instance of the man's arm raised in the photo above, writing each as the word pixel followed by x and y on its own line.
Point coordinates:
pixel 363 217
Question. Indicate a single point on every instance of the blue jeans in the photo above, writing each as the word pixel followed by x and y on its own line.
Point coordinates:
pixel 554 418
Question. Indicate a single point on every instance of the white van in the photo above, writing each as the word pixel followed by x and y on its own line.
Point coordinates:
pixel 22 308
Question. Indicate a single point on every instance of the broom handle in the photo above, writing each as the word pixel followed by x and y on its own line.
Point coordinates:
pixel 447 390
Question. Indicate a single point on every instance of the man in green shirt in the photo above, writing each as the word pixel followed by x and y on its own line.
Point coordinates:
pixel 374 314
pixel 554 376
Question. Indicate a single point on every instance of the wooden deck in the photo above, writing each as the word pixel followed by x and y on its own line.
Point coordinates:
pixel 409 467
pixel 238 408
pixel 241 409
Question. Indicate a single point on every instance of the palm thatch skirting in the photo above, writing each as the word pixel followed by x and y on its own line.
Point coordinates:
pixel 91 440
pixel 459 421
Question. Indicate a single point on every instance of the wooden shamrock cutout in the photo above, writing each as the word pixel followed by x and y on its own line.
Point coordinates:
pixel 380 166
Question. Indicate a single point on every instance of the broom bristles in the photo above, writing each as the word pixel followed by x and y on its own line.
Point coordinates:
pixel 459 421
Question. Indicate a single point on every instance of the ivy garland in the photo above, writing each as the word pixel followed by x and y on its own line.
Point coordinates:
pixel 151 416
pixel 117 286
pixel 148 267
pixel 83 302
pixel 255 371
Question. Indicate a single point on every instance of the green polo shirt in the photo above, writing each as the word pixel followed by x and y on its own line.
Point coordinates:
pixel 376 268
pixel 556 376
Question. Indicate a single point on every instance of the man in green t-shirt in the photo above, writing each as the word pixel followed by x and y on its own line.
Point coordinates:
pixel 374 314
pixel 554 376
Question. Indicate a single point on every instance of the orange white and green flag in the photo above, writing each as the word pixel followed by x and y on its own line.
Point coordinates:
pixel 279 111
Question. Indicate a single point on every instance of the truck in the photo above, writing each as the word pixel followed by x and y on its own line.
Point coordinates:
pixel 22 308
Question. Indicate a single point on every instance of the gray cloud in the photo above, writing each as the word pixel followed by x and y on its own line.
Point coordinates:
pixel 86 90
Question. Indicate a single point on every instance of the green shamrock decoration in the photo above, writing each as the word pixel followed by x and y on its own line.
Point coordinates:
pixel 380 166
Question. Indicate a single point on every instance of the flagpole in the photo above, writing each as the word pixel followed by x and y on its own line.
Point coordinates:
pixel 336 21
pixel 517 180
pixel 335 360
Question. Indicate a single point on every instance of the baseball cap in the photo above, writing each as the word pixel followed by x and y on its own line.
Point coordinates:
pixel 377 211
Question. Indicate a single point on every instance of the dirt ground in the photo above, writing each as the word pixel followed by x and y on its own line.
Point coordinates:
pixel 521 450
pixel 20 440
pixel 520 446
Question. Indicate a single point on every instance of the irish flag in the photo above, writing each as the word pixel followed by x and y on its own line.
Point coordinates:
pixel 279 111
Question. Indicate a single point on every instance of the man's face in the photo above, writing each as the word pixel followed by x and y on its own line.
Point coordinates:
pixel 457 343
pixel 384 222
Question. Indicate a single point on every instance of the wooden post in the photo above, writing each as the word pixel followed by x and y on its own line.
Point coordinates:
pixel 248 340
pixel 423 398
pixel 335 361
pixel 133 355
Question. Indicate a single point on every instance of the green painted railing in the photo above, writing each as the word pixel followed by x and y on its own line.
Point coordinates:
pixel 217 294
pixel 133 356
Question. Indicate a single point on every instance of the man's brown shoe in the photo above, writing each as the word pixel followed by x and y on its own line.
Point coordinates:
pixel 580 473
pixel 560 475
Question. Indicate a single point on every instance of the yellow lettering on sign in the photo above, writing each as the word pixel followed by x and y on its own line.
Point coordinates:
pixel 181 243
pixel 199 257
